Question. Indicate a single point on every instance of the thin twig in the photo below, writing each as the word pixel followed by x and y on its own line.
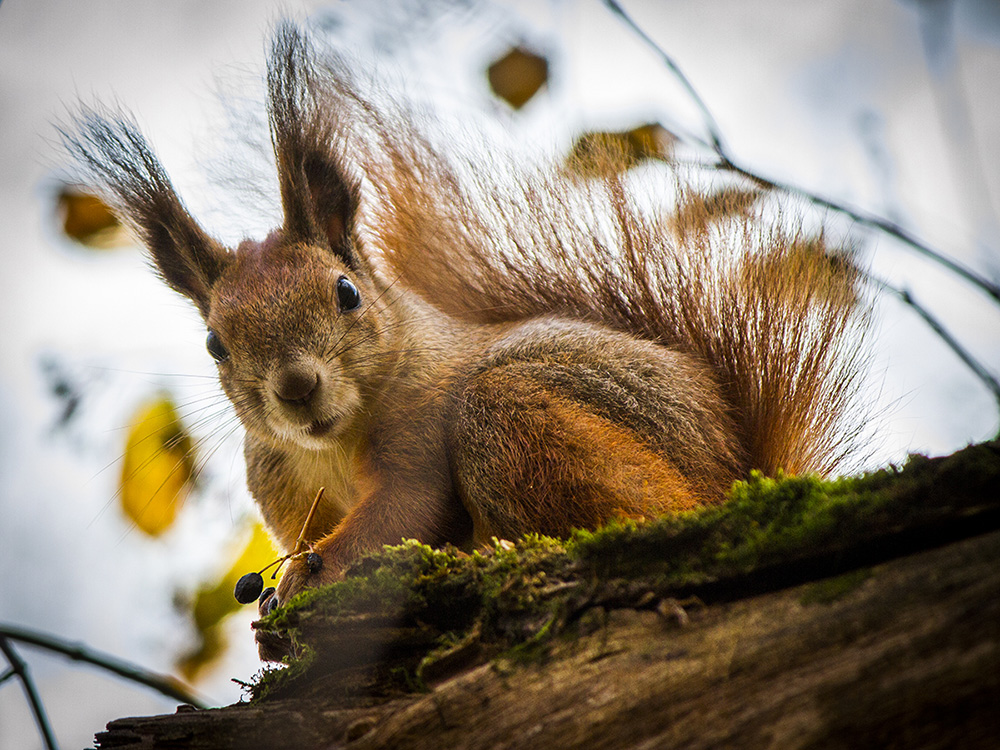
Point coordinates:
pixel 714 132
pixel 300 544
pixel 19 668
pixel 301 541
pixel 727 163
pixel 166 685
pixel 961 352
pixel 869 220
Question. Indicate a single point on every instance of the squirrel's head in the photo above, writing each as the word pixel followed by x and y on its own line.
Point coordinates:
pixel 296 322
pixel 297 335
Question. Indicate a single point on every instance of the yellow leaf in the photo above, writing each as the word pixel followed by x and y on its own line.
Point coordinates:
pixel 215 601
pixel 158 467
pixel 611 152
pixel 89 220
pixel 518 75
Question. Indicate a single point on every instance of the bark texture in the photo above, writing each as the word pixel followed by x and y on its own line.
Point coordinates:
pixel 869 621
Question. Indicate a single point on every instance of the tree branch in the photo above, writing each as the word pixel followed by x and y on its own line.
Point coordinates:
pixel 18 667
pixel 960 351
pixel 728 163
pixel 166 685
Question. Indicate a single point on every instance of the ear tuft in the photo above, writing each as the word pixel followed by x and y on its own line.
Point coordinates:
pixel 115 157
pixel 319 199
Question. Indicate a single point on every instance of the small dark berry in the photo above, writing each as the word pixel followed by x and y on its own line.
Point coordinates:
pixel 248 588
pixel 272 604
pixel 314 562
pixel 264 594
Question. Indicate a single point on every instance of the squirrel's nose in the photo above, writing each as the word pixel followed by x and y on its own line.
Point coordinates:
pixel 296 385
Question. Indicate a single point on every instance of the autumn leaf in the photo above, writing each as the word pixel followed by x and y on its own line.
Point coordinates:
pixel 811 265
pixel 598 153
pixel 214 602
pixel 158 467
pixel 697 212
pixel 518 75
pixel 89 220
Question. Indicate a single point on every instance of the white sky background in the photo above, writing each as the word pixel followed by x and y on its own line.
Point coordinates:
pixel 833 96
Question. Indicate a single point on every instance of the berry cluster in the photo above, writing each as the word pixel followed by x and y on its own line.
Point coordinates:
pixel 251 586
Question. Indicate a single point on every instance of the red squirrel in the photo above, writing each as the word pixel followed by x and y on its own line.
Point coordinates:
pixel 459 351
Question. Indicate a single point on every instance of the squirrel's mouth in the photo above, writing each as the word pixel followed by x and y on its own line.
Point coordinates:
pixel 322 427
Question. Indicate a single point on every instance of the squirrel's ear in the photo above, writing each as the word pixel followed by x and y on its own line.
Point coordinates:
pixel 319 199
pixel 116 156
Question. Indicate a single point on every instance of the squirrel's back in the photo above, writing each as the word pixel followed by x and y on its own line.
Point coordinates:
pixel 775 314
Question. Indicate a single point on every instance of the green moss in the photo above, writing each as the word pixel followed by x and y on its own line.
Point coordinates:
pixel 769 521
pixel 272 680
pixel 764 520
pixel 513 598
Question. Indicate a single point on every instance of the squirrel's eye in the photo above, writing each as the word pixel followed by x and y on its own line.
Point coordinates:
pixel 215 348
pixel 348 296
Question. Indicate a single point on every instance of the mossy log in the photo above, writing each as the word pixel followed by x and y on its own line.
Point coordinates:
pixel 859 612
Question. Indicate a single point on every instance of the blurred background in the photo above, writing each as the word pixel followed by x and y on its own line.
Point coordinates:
pixel 891 107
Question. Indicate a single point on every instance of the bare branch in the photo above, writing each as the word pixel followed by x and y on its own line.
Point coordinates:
pixel 18 667
pixel 971 362
pixel 718 145
pixel 166 685
pixel 870 220
pixel 714 132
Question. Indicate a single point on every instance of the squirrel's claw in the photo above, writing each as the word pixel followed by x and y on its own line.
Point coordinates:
pixel 268 602
pixel 270 645
pixel 302 572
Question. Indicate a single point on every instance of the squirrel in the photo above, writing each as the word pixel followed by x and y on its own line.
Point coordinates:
pixel 458 353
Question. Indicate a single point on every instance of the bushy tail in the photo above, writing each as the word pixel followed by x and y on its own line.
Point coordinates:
pixel 485 238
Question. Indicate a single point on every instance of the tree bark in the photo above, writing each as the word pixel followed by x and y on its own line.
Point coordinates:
pixel 904 653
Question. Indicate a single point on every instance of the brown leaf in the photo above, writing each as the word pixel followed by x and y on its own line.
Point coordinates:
pixel 89 220
pixel 697 212
pixel 820 270
pixel 611 152
pixel 518 75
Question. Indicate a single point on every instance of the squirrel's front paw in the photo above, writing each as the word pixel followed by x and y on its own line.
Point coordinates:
pixel 303 572
pixel 307 571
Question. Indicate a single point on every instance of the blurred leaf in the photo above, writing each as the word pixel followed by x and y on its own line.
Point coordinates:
pixel 821 270
pixel 697 212
pixel 64 386
pixel 651 141
pixel 518 75
pixel 605 152
pixel 158 467
pixel 89 220
pixel 215 601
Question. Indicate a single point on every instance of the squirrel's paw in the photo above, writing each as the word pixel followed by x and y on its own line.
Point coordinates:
pixel 308 571
pixel 302 572
pixel 271 646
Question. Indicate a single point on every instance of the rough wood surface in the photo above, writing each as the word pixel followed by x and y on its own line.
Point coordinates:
pixel 905 653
